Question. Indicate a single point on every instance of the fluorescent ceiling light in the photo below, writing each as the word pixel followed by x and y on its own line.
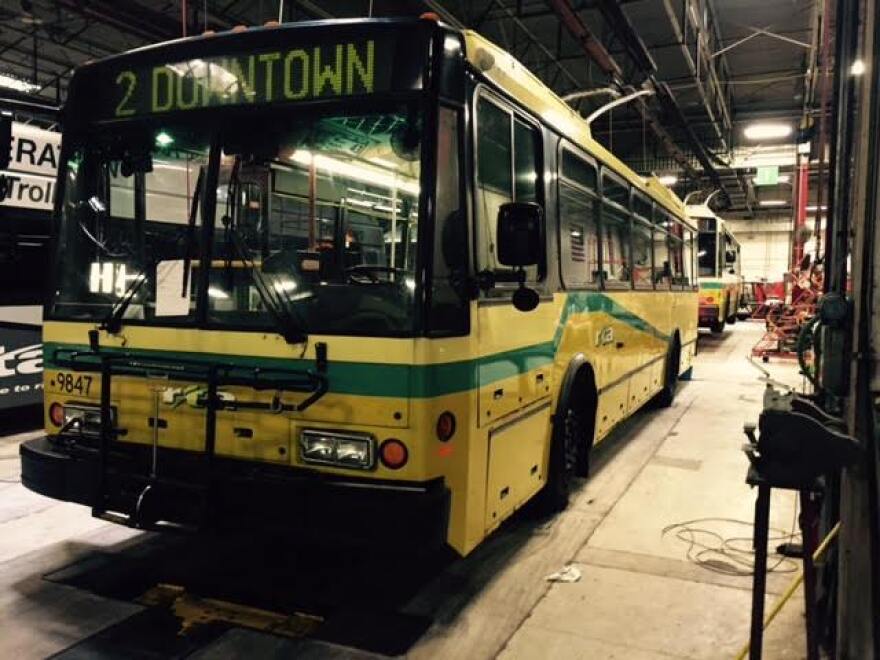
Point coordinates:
pixel 857 68
pixel 813 207
pixel 782 178
pixel 365 174
pixel 773 202
pixel 804 148
pixel 19 85
pixel 219 294
pixel 767 131
pixel 163 139
pixel 668 179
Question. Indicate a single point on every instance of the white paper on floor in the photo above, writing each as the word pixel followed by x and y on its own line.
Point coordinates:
pixel 569 573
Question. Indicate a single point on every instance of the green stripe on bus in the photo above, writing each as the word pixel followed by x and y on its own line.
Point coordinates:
pixel 578 303
pixel 711 285
pixel 401 380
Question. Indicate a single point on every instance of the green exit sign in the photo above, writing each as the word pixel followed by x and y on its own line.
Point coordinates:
pixel 767 176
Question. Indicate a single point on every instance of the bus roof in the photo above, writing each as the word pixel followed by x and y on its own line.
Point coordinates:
pixel 518 81
pixel 703 211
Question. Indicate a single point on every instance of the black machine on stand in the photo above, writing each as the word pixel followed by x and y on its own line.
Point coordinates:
pixel 798 447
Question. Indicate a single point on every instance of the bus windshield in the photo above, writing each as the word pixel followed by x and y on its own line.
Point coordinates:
pixel 313 223
pixel 708 254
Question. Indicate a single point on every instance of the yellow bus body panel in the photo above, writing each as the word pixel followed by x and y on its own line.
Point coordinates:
pixel 624 336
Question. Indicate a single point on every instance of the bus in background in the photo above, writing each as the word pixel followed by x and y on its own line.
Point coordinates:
pixel 370 276
pixel 719 260
pixel 26 200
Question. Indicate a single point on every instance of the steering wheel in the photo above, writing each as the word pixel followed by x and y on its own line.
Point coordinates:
pixel 367 274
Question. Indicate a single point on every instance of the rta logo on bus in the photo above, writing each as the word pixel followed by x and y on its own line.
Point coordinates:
pixel 21 372
pixel 21 361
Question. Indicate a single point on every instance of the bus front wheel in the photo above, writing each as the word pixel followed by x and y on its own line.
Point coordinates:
pixel 666 396
pixel 569 457
pixel 717 327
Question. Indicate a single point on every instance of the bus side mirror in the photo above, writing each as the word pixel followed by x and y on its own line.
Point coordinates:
pixel 730 257
pixel 520 233
pixel 5 139
pixel 520 240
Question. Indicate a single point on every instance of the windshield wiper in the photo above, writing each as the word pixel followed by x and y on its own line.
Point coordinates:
pixel 279 308
pixel 113 322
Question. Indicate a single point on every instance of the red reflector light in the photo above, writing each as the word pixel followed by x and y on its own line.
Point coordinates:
pixel 445 426
pixel 394 454
pixel 430 16
pixel 56 414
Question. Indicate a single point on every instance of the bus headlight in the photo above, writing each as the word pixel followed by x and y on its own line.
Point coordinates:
pixel 85 420
pixel 349 450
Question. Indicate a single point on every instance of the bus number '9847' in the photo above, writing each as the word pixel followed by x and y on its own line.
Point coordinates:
pixel 70 383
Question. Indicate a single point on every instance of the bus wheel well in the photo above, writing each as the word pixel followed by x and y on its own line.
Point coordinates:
pixel 672 367
pixel 580 393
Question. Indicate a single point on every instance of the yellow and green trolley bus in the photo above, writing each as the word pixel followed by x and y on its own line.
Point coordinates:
pixel 364 276
pixel 719 263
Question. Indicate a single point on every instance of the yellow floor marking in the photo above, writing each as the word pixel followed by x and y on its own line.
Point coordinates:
pixel 195 611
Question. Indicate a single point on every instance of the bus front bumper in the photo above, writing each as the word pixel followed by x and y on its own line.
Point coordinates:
pixel 234 494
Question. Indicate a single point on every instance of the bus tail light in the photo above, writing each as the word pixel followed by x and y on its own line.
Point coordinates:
pixel 707 300
pixel 445 426
pixel 56 414
pixel 394 454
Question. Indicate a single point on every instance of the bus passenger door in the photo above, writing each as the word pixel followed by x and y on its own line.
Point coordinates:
pixel 515 365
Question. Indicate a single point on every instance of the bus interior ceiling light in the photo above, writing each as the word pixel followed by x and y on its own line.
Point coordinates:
pixel 17 84
pixel 367 175
pixel 773 202
pixel 767 131
pixel 163 139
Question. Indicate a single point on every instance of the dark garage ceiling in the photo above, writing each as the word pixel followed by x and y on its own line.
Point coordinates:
pixel 713 60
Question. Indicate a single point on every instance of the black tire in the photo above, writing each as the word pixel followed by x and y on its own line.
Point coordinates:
pixel 666 396
pixel 569 458
pixel 732 319
pixel 717 328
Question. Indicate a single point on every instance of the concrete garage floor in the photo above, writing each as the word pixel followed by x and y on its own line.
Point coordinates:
pixel 68 582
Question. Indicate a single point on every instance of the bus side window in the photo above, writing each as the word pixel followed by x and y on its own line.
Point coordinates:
pixel 642 255
pixel 578 231
pixel 643 268
pixel 579 235
pixel 662 263
pixel 507 171
pixel 676 254
pixel 688 258
pixel 615 222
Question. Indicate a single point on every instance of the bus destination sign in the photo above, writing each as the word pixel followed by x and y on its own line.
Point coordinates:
pixel 303 73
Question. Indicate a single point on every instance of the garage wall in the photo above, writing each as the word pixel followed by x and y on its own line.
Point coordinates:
pixel 765 247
